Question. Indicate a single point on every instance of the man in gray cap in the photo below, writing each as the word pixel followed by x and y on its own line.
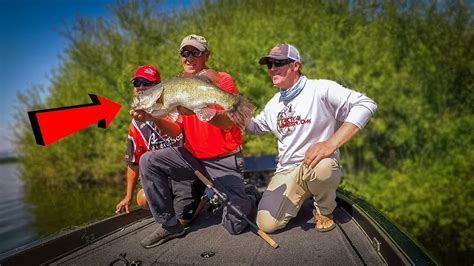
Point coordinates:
pixel 213 147
pixel 311 119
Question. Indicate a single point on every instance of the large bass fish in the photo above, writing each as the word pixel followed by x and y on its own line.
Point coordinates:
pixel 194 93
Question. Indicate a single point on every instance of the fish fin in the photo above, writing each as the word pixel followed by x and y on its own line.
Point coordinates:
pixel 174 115
pixel 205 114
pixel 241 112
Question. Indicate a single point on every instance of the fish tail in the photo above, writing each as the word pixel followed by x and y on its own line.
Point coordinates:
pixel 241 111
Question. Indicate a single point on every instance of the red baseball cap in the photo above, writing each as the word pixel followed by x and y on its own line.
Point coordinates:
pixel 148 72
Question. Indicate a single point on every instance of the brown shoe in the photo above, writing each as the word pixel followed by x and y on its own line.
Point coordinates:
pixel 324 223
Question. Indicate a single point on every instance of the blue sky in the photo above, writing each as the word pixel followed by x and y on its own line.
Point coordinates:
pixel 31 45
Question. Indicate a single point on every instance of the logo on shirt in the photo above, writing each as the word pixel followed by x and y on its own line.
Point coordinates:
pixel 155 143
pixel 287 121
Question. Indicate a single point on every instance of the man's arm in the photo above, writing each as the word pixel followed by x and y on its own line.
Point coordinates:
pixel 317 151
pixel 352 107
pixel 132 177
pixel 221 120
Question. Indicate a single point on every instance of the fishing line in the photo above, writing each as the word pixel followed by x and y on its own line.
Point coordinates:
pixel 107 79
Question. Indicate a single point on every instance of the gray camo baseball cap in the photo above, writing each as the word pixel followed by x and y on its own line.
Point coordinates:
pixel 196 41
pixel 281 52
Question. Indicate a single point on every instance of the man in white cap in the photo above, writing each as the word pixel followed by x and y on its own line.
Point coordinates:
pixel 311 119
pixel 212 147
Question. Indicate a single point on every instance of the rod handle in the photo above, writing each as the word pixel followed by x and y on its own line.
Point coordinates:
pixel 267 239
pixel 203 179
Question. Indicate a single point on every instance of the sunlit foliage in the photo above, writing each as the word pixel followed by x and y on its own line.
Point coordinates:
pixel 414 160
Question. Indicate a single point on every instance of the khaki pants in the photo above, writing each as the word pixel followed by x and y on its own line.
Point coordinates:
pixel 288 190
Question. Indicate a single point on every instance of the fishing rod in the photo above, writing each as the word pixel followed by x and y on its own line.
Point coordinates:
pixel 209 184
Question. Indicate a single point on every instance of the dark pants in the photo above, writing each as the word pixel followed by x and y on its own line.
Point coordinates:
pixel 186 197
pixel 157 167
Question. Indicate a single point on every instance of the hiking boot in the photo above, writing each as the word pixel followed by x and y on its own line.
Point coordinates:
pixel 163 234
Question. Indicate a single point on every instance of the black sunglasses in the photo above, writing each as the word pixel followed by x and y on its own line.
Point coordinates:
pixel 279 63
pixel 195 53
pixel 138 82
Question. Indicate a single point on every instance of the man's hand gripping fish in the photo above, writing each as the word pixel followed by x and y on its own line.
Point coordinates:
pixel 194 93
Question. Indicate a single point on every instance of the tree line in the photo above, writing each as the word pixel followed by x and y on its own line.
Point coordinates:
pixel 414 160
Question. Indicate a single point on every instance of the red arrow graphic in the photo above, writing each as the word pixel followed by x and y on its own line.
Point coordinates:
pixel 50 125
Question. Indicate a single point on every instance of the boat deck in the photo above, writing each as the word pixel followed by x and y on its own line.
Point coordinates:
pixel 207 242
pixel 363 236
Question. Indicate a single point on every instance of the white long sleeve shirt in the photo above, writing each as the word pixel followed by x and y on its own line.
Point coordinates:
pixel 312 116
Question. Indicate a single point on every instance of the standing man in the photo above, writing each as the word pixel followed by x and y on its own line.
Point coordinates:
pixel 311 118
pixel 142 137
pixel 211 147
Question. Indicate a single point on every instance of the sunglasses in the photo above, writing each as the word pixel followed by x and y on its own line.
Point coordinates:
pixel 186 53
pixel 279 63
pixel 138 82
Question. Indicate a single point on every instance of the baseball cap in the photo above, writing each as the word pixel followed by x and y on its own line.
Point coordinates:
pixel 195 41
pixel 148 72
pixel 281 52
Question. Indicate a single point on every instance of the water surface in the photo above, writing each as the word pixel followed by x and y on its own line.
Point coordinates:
pixel 29 213
pixel 15 219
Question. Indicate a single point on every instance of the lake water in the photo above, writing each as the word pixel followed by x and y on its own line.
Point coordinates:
pixel 15 220
pixel 29 214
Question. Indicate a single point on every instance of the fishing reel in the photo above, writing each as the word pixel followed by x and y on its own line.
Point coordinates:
pixel 217 201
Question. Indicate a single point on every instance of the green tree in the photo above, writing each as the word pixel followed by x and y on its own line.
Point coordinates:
pixel 414 160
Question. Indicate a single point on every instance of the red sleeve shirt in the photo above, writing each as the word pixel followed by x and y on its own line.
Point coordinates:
pixel 142 137
pixel 204 140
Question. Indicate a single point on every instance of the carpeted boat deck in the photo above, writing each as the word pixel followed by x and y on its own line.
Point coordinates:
pixel 207 242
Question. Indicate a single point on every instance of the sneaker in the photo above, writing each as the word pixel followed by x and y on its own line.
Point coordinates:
pixel 163 234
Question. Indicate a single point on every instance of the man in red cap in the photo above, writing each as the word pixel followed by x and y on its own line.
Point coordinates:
pixel 311 118
pixel 142 137
pixel 212 147
pixel 145 77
